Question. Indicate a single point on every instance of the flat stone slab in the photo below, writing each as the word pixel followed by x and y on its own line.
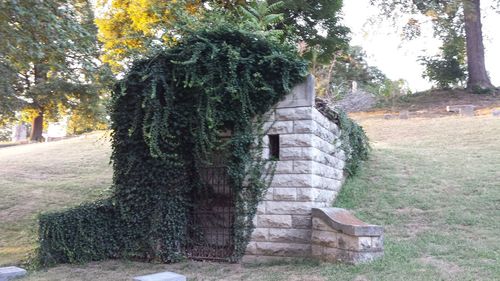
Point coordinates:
pixel 343 221
pixel 11 273
pixel 457 108
pixel 162 276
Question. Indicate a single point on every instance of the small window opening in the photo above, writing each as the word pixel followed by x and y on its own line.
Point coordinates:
pixel 274 147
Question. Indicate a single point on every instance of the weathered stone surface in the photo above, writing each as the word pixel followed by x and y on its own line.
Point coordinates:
pixel 285 194
pixel 306 194
pixel 295 113
pixel 290 235
pixel 327 196
pixel 305 126
pixel 284 167
pixel 342 221
pixel 289 208
pixel 303 167
pixel 278 127
pixel 260 234
pixel 276 221
pixel 297 153
pixel 283 249
pixel 261 208
pixel 269 195
pixel 301 222
pixel 163 276
pixel 296 140
pixel 495 112
pixel 304 180
pixel 324 238
pixel 11 273
pixel 301 95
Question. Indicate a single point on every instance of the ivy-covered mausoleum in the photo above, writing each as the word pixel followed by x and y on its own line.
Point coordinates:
pixel 216 156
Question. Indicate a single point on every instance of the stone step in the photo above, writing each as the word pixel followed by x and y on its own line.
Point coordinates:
pixel 11 273
pixel 162 276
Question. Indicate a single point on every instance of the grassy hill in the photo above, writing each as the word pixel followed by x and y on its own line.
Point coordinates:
pixel 434 183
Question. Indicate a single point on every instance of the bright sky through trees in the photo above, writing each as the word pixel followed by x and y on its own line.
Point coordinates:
pixel 397 59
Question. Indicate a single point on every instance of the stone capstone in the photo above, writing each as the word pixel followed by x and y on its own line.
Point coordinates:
pixel 339 236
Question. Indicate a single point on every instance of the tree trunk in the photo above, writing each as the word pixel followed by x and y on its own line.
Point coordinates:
pixel 41 72
pixel 37 127
pixel 478 77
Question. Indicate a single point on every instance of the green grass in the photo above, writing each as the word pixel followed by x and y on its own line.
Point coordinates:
pixel 434 184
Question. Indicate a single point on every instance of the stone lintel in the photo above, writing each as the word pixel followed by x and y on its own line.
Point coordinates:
pixel 162 276
pixel 344 222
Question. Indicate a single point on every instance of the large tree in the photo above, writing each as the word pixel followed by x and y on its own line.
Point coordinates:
pixel 129 29
pixel 458 16
pixel 49 53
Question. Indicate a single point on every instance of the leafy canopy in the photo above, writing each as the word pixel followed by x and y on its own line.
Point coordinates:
pixel 48 56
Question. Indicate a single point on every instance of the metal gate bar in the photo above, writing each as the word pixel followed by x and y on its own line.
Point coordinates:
pixel 210 229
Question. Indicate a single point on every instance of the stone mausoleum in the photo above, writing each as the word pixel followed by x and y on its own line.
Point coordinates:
pixel 296 219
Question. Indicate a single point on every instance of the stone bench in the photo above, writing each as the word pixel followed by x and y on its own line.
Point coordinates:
pixel 339 236
pixel 11 273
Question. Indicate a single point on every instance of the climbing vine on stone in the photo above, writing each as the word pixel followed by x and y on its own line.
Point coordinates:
pixel 167 115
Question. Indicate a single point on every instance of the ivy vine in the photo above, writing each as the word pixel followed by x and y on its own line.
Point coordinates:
pixel 167 115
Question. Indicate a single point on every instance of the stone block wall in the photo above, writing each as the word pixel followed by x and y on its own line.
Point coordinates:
pixel 309 174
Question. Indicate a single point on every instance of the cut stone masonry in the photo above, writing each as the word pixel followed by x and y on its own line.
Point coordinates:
pixel 309 174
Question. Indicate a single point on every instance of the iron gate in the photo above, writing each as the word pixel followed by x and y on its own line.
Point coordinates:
pixel 210 226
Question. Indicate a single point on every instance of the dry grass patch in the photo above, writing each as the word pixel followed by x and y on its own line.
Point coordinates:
pixel 47 176
pixel 433 183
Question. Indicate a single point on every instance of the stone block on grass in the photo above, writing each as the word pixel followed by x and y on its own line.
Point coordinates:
pixel 11 273
pixel 162 276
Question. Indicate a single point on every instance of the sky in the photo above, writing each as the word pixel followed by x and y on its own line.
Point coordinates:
pixel 384 49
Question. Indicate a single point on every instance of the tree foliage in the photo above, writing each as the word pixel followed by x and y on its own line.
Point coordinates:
pixel 131 29
pixel 458 24
pixel 49 55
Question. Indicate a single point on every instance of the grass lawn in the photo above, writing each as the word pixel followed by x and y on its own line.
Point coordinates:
pixel 433 183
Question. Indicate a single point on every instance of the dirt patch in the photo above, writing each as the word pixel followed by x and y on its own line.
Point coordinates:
pixel 447 270
pixel 433 104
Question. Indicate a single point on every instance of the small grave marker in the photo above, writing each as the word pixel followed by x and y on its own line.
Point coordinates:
pixel 495 112
pixel 467 111
pixel 404 114
pixel 11 273
pixel 162 276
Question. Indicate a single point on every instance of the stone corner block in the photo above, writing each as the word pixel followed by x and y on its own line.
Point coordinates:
pixel 162 276
pixel 11 272
pixel 343 221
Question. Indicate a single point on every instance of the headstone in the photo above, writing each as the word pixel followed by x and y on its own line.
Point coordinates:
pixel 162 276
pixel 404 114
pixel 457 108
pixel 387 116
pixel 467 110
pixel 19 133
pixel 11 273
pixel 495 112
pixel 354 87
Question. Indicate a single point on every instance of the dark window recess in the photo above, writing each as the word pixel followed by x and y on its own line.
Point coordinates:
pixel 274 147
